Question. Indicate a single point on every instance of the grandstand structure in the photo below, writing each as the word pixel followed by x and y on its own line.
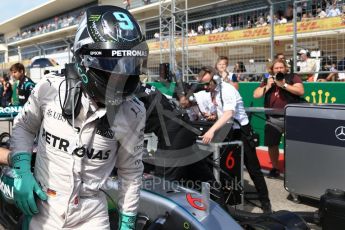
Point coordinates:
pixel 189 34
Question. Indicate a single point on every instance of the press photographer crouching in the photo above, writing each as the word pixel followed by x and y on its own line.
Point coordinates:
pixel 279 89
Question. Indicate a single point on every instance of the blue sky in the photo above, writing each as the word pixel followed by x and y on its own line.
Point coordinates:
pixel 11 8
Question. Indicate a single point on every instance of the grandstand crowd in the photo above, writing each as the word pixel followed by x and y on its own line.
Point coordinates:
pixel 308 10
pixel 59 22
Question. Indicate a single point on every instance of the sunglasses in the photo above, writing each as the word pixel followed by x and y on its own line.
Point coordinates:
pixel 205 84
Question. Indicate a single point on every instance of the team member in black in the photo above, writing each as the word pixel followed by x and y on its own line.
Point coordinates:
pixel 25 84
pixel 175 140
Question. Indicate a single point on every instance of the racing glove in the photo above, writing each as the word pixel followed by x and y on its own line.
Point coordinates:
pixel 25 184
pixel 127 221
pixel 6 185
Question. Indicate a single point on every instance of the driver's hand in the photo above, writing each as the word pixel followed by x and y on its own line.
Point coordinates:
pixel 25 184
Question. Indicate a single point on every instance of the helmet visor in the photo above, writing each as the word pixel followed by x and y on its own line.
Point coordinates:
pixel 124 65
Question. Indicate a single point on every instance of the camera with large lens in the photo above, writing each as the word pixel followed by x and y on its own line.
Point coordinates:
pixel 280 76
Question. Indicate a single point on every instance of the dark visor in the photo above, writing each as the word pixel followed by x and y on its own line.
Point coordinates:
pixel 124 65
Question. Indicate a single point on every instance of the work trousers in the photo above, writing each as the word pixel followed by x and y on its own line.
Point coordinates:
pixel 251 160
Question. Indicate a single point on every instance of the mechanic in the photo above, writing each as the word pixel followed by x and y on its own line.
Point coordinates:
pixel 76 154
pixel 229 106
pixel 25 84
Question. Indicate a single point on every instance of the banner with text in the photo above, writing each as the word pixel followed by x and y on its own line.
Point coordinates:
pixel 259 32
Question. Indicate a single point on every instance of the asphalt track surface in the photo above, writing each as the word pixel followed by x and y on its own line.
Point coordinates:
pixel 277 194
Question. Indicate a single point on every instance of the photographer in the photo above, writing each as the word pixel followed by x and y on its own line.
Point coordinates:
pixel 279 90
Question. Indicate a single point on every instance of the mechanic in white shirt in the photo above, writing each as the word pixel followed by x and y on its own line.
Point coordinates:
pixel 229 105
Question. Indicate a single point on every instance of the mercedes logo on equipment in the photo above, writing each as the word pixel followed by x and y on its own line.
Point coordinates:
pixel 340 133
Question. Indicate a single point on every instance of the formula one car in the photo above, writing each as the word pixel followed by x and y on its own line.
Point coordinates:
pixel 165 205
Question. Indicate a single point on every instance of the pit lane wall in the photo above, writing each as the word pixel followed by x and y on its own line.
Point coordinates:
pixel 320 93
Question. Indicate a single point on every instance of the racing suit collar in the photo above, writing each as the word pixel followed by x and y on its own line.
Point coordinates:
pixel 90 108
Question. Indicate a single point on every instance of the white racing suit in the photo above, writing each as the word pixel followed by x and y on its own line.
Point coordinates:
pixel 72 179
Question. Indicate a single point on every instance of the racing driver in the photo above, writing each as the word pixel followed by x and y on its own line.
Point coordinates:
pixel 85 127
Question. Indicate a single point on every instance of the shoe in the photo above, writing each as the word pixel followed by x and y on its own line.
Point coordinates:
pixel 266 207
pixel 274 173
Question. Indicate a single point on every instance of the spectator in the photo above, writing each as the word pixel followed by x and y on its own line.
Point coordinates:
pixel 261 22
pixel 193 33
pixel 239 69
pixel 146 2
pixel 221 67
pixel 268 19
pixel 220 29
pixel 304 5
pixel 215 30
pixel 25 84
pixel 277 93
pixel 341 67
pixel 208 25
pixel 310 16
pixel 200 29
pixel 289 12
pixel 282 20
pixel 314 7
pixel 281 56
pixel 275 19
pixel 156 36
pixel 7 92
pixel 333 67
pixel 229 27
pixel 249 24
pixel 327 66
pixel 321 13
pixel 307 66
pixel 304 17
pixel 333 11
